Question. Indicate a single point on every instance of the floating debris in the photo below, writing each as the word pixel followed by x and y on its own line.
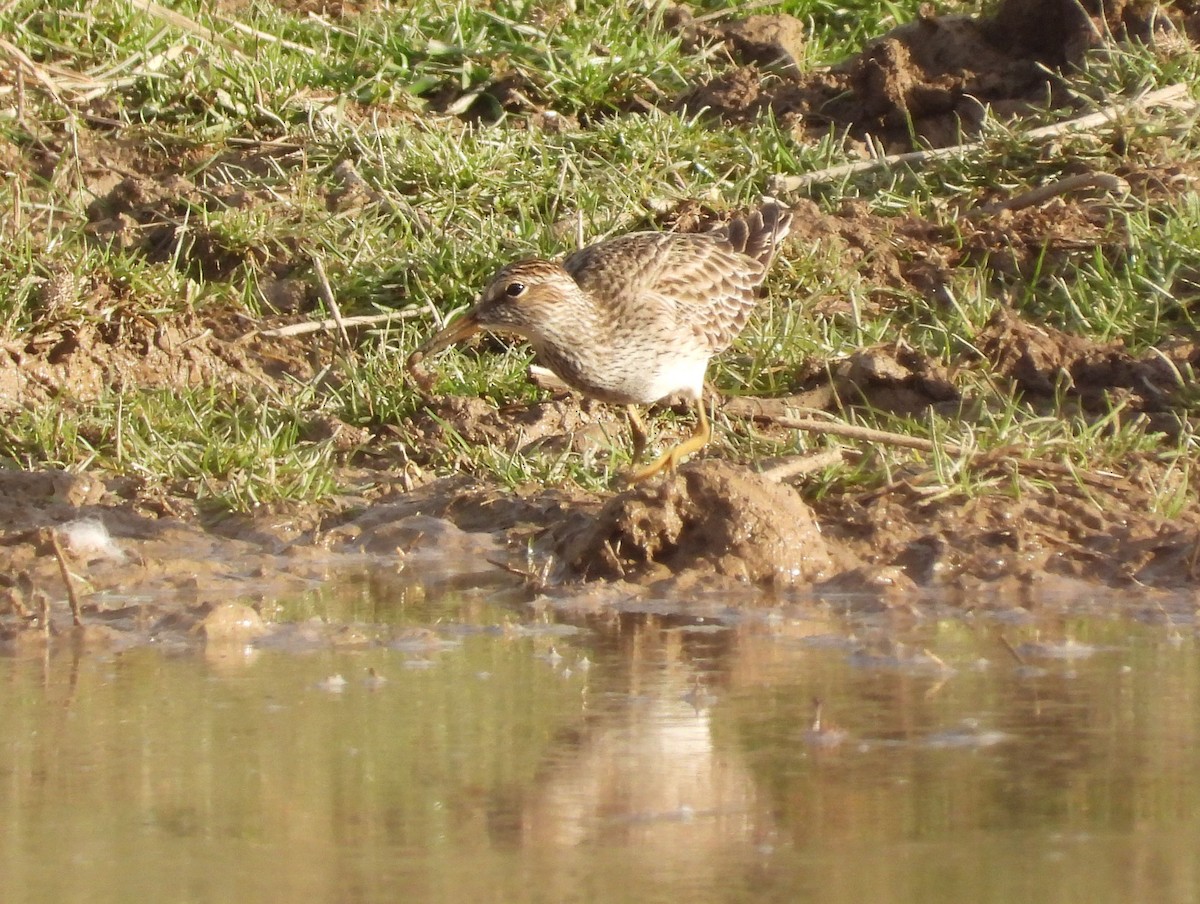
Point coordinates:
pixel 821 733
pixel 88 538
pixel 334 684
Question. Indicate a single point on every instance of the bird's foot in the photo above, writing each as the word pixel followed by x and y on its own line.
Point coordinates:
pixel 668 462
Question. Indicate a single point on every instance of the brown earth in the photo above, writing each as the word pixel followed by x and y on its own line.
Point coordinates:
pixel 714 525
pixel 928 80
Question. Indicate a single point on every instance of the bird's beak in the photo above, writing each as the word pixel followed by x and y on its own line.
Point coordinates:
pixel 462 328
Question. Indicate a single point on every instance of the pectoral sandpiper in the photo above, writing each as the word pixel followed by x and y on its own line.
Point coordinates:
pixel 633 319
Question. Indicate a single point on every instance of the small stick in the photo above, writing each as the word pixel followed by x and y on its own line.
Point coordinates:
pixel 72 596
pixel 941 663
pixel 886 438
pixel 16 601
pixel 1012 651
pixel 20 98
pixel 799 465
pixel 1110 183
pixel 24 63
pixel 330 302
pixel 43 602
pixel 867 434
pixel 1162 96
pixel 318 326
pixel 17 218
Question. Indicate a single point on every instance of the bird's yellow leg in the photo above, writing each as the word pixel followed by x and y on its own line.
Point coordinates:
pixel 670 459
pixel 638 431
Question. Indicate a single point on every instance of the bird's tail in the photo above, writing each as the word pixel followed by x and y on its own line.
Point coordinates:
pixel 758 234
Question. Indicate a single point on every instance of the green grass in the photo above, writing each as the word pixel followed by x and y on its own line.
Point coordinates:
pixel 212 445
pixel 459 178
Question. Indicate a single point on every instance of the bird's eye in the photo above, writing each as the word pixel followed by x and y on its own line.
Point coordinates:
pixel 514 289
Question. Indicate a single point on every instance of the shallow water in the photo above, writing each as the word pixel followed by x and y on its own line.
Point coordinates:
pixel 476 751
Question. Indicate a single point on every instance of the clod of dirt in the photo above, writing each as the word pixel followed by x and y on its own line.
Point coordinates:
pixel 326 427
pixel 1043 360
pixel 22 493
pixel 934 73
pixel 107 343
pixel 391 529
pixel 897 379
pixel 1045 240
pixel 771 41
pixel 711 515
pixel 931 78
pixel 557 423
pixel 232 623
pixel 286 295
pixel 152 216
pixel 732 95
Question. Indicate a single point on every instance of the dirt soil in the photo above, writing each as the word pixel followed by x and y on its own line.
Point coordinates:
pixel 926 81
pixel 158 563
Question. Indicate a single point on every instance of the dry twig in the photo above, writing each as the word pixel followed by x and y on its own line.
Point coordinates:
pixel 318 326
pixel 25 65
pixel 330 301
pixel 72 596
pixel 1163 96
pixel 799 465
pixel 974 458
pixel 1080 181
pixel 178 20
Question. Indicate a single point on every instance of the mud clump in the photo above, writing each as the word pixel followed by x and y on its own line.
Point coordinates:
pixel 897 379
pixel 103 341
pixel 555 424
pixel 933 73
pixel 772 41
pixel 931 79
pixel 711 516
pixel 151 217
pixel 1041 360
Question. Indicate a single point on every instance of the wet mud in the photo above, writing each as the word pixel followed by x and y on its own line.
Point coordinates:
pixel 711 515
pixel 87 565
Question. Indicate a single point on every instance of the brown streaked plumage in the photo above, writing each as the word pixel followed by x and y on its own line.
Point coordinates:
pixel 633 319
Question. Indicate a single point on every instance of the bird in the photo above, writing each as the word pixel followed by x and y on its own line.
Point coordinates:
pixel 633 319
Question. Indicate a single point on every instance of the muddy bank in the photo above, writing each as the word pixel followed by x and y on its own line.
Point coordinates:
pixel 80 563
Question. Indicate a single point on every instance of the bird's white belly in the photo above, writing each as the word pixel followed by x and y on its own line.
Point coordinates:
pixel 674 376
pixel 644 376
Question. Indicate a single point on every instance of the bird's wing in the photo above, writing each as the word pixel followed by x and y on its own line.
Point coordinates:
pixel 693 281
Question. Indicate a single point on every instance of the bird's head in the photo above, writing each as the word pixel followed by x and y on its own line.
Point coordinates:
pixel 525 299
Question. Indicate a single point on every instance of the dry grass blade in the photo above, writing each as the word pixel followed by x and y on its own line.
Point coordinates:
pixel 68 580
pixel 866 434
pixel 191 26
pixel 920 444
pixel 28 66
pixel 269 38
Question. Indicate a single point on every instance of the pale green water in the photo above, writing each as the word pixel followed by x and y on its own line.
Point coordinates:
pixel 501 767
